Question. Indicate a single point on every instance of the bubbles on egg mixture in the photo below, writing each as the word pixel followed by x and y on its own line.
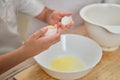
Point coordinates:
pixel 67 64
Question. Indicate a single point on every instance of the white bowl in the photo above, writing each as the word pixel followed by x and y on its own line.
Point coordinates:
pixel 73 45
pixel 102 22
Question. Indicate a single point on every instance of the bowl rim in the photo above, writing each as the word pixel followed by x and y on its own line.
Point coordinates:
pixel 88 68
pixel 81 12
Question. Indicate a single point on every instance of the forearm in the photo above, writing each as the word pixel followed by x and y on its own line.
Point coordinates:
pixel 13 58
pixel 35 44
pixel 44 14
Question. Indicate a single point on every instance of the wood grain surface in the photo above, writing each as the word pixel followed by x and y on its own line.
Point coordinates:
pixel 107 69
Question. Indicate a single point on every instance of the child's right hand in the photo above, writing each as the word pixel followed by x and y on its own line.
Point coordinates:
pixel 38 42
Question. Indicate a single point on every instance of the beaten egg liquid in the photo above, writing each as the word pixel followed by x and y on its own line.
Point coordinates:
pixel 67 64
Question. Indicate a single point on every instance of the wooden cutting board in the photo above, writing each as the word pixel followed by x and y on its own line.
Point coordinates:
pixel 107 69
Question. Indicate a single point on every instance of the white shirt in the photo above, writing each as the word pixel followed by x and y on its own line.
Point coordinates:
pixel 9 36
pixel 72 6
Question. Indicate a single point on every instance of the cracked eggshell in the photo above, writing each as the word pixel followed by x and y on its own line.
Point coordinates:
pixel 51 30
pixel 66 20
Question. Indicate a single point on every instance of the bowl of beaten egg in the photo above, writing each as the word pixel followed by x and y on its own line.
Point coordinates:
pixel 71 58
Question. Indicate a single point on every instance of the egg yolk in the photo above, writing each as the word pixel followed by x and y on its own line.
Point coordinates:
pixel 67 63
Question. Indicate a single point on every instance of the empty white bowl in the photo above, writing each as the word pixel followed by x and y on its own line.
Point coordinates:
pixel 102 22
pixel 71 45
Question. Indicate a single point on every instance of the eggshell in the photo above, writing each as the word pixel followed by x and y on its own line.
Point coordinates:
pixel 66 20
pixel 51 30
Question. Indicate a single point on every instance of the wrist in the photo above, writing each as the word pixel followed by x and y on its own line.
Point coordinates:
pixel 25 51
pixel 45 14
pixel 48 15
pixel 29 51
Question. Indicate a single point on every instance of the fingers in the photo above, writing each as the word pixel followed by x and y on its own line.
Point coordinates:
pixel 57 19
pixel 39 33
pixel 65 27
pixel 58 31
pixel 59 16
pixel 52 39
pixel 66 14
pixel 57 36
pixel 69 25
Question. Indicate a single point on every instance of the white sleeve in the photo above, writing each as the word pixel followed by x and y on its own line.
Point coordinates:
pixel 30 7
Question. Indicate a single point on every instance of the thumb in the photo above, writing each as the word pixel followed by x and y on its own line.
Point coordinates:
pixel 65 14
pixel 39 33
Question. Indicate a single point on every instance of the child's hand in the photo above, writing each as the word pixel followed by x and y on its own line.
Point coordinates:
pixel 38 42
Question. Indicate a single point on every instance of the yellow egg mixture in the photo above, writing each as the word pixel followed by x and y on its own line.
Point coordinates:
pixel 67 64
